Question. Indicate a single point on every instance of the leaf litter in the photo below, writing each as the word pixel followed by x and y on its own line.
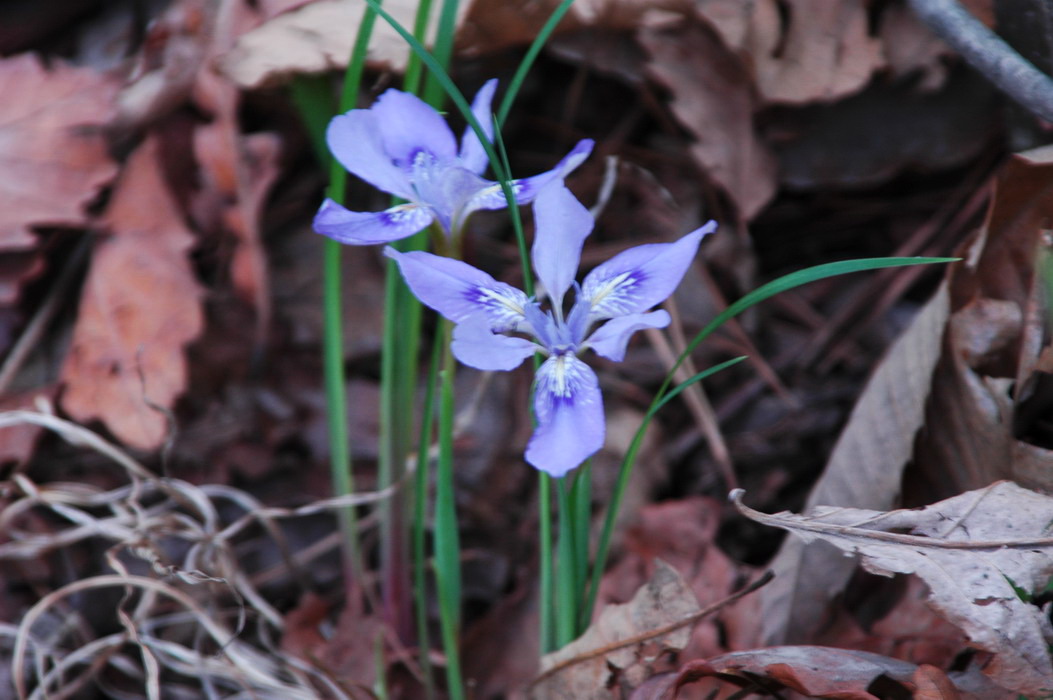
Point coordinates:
pixel 717 96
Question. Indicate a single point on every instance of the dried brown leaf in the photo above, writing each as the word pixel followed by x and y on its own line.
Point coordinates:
pixel 992 355
pixel 713 98
pixel 317 37
pixel 618 648
pixel 864 471
pixel 820 672
pixel 54 156
pixel 971 550
pixel 140 306
pixel 825 53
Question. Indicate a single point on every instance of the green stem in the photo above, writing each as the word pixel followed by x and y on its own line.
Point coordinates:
pixel 420 515
pixel 546 613
pixel 447 539
pixel 581 502
pixel 567 593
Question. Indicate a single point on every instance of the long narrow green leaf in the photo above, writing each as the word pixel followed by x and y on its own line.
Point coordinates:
pixel 675 391
pixel 528 60
pixel 766 291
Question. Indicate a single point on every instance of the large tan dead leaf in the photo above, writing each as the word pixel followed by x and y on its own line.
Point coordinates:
pixel 52 153
pixel 824 53
pixel 139 307
pixel 317 37
pixel 971 550
pixel 864 471
pixel 713 98
pixel 617 649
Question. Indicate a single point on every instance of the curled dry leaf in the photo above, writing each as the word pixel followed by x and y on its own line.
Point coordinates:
pixel 54 158
pixel 971 550
pixel 317 37
pixel 864 471
pixel 619 646
pixel 139 307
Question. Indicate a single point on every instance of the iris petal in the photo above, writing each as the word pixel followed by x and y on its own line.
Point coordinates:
pixel 367 228
pixel 569 410
pixel 562 224
pixel 610 339
pixel 640 277
pixel 476 345
pixel 473 156
pixel 408 126
pixel 354 140
pixel 457 290
pixel 525 190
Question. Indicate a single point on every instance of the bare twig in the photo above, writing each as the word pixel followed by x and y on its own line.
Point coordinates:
pixel 990 55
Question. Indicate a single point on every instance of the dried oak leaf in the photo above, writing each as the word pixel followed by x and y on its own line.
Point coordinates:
pixel 619 647
pixel 317 37
pixel 54 155
pixel 974 551
pixel 139 307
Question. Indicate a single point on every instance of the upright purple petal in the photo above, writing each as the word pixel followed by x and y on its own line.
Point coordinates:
pixel 368 228
pixel 610 339
pixel 476 345
pixel 408 126
pixel 473 156
pixel 457 290
pixel 354 140
pixel 569 410
pixel 562 223
pixel 640 277
pixel 525 190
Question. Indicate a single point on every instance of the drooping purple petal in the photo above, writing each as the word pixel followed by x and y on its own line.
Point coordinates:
pixel 354 140
pixel 525 190
pixel 368 228
pixel 640 277
pixel 562 223
pixel 476 345
pixel 457 290
pixel 569 410
pixel 473 156
pixel 408 126
pixel 610 339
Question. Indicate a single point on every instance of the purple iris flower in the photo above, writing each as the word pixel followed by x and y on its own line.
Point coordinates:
pixel 609 306
pixel 403 146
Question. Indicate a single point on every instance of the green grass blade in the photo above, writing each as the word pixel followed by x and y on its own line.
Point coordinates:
pixel 414 68
pixel 443 50
pixel 581 503
pixel 675 391
pixel 528 60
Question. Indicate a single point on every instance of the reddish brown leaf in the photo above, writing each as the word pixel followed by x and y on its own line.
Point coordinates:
pixel 54 156
pixel 823 672
pixel 140 307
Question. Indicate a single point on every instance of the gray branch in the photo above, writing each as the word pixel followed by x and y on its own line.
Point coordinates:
pixel 989 54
